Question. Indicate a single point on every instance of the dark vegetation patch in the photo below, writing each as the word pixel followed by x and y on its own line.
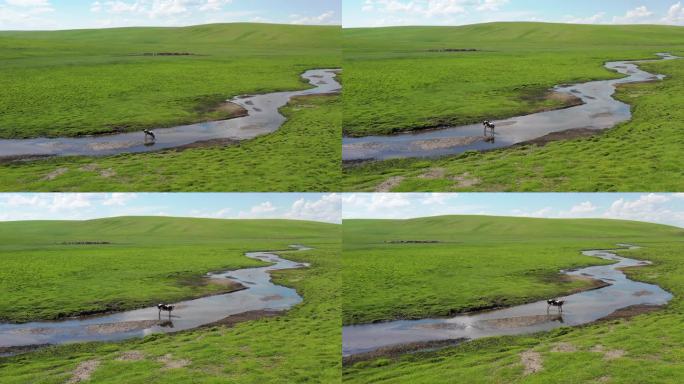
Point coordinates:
pixel 453 50
pixel 412 241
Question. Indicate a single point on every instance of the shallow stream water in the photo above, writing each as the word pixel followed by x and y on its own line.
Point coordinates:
pixel 264 117
pixel 260 294
pixel 579 308
pixel 599 111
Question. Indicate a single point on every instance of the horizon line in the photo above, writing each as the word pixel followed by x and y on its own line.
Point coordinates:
pixel 170 26
pixel 510 22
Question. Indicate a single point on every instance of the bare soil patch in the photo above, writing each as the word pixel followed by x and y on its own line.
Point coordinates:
pixel 56 173
pixel 562 135
pixel 231 321
pixel 608 354
pixel 171 363
pixel 593 283
pixel 465 181
pixel 564 347
pixel 631 311
pixel 83 371
pixel 131 356
pixel 532 361
pixel 227 283
pixel 231 109
pixel 433 174
pixel 387 185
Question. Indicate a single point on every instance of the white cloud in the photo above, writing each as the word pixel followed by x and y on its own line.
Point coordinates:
pixel 437 198
pixel 594 19
pixel 327 208
pixel 428 8
pixel 214 5
pixel 675 15
pixel 375 202
pixel 584 207
pixel 264 207
pixel 638 15
pixel 158 8
pixel 325 18
pixel 25 14
pixel 28 3
pixel 119 199
pixel 651 207
pixel 44 205
pixel 117 7
pixel 491 5
pixel 96 7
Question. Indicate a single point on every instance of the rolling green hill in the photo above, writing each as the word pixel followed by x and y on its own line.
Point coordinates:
pixel 399 79
pixel 151 256
pixel 132 261
pixel 503 261
pixel 475 262
pixel 69 83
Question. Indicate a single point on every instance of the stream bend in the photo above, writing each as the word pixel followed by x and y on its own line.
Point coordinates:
pixel 580 308
pixel 598 111
pixel 263 117
pixel 260 294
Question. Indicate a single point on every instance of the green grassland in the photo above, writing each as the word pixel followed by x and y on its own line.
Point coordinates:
pixel 303 155
pixel 511 259
pixel 82 82
pixel 510 74
pixel 45 275
pixel 70 83
pixel 299 346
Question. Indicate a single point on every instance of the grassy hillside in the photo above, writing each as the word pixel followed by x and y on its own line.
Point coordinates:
pixel 69 83
pixel 393 82
pixel 478 262
pixel 400 78
pixel 143 260
pixel 300 346
pixel 641 349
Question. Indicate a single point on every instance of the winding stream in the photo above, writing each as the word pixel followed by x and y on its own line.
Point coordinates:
pixel 260 294
pixel 579 308
pixel 599 111
pixel 263 117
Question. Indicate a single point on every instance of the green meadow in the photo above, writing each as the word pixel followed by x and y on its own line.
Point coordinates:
pixel 150 259
pixel 72 83
pixel 303 155
pixel 400 79
pixel 484 262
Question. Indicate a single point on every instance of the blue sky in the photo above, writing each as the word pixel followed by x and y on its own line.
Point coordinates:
pixel 71 14
pixel 666 208
pixel 374 13
pixel 81 206
pixel 653 207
